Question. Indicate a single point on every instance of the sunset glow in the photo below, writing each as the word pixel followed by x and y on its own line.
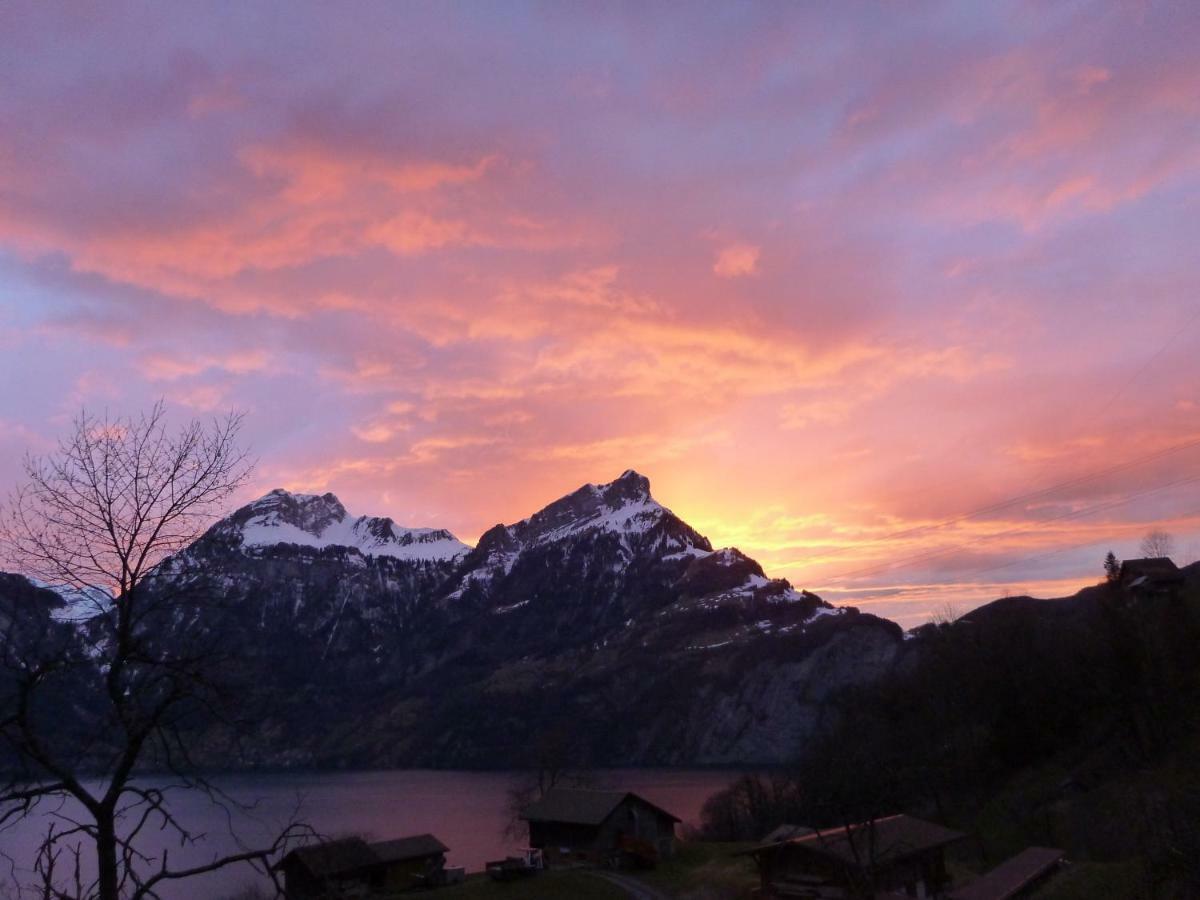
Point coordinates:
pixel 854 286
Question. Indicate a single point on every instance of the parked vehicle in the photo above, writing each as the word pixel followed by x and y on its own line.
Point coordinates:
pixel 530 862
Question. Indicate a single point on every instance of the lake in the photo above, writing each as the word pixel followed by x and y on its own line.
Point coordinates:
pixel 466 810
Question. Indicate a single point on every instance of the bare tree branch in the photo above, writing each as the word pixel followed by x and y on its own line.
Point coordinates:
pixel 105 520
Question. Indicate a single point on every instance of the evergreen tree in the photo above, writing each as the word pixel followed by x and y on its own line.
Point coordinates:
pixel 1112 568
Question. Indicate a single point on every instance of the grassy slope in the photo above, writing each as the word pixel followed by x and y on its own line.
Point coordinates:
pixel 1098 827
pixel 703 869
pixel 546 886
pixel 1089 880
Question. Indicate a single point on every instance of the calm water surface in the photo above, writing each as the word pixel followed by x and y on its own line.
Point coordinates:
pixel 466 810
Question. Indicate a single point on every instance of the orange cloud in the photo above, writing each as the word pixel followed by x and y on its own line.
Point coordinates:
pixel 490 288
pixel 737 260
pixel 314 173
pixel 169 367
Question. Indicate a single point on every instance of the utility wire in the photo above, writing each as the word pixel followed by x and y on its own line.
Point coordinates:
pixel 946 551
pixel 1175 335
pixel 1074 482
pixel 1023 498
pixel 1055 552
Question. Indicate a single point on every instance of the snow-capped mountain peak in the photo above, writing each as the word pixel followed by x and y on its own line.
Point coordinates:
pixel 320 521
pixel 623 505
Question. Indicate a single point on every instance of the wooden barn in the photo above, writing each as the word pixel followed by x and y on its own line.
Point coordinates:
pixel 899 855
pixel 351 867
pixel 602 827
pixel 1153 577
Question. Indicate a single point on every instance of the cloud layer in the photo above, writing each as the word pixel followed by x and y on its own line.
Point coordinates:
pixel 830 277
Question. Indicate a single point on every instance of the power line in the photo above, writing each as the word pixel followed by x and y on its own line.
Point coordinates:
pixel 1014 562
pixel 1175 335
pixel 1023 498
pixel 946 551
pixel 921 529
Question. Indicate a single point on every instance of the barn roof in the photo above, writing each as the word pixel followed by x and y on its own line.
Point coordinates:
pixel 1011 876
pixel 414 847
pixel 335 857
pixel 894 838
pixel 347 855
pixel 1153 568
pixel 786 833
pixel 582 807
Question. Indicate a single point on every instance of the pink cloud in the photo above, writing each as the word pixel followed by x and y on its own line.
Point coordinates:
pixel 468 266
pixel 737 260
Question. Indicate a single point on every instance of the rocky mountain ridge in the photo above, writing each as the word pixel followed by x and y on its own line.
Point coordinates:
pixel 309 520
pixel 602 617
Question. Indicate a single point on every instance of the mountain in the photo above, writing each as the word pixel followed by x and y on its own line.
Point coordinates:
pixel 602 624
pixel 307 520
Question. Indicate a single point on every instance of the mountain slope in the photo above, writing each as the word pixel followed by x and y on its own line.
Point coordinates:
pixel 363 643
pixel 307 520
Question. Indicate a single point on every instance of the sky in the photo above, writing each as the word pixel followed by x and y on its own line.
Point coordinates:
pixel 900 299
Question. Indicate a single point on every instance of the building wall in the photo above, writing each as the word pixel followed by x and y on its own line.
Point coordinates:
pixel 599 843
pixel 406 873
pixel 561 841
pixel 642 822
pixel 298 882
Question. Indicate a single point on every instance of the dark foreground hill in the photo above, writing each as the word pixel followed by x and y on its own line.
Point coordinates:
pixel 1070 723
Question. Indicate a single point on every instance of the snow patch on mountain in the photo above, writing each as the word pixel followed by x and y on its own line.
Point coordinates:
pixel 320 521
pixel 637 517
pixel 623 506
pixel 79 604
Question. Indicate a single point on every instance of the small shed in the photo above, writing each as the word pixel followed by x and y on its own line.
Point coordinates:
pixel 900 854
pixel 1151 577
pixel 1015 878
pixel 608 827
pixel 351 867
pixel 416 861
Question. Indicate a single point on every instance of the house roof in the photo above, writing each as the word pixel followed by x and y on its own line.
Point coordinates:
pixel 1011 876
pixel 348 855
pixel 1154 568
pixel 582 807
pixel 786 833
pixel 414 847
pixel 335 857
pixel 893 838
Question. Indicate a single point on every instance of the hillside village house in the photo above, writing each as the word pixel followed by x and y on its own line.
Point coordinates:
pixel 898 856
pixel 603 827
pixel 1151 577
pixel 351 867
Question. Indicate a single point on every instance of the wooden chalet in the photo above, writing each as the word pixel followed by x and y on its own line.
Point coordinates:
pixel 1015 878
pixel 898 855
pixel 602 827
pixel 351 867
pixel 1151 577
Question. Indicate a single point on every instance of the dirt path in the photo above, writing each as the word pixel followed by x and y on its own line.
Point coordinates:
pixel 635 889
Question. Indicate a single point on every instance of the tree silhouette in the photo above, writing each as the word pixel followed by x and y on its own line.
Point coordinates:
pixel 1112 568
pixel 1157 543
pixel 84 705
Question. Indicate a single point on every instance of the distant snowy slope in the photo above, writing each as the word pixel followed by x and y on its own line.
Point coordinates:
pixel 78 604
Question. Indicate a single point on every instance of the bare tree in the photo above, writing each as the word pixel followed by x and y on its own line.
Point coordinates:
pixel 86 705
pixel 946 614
pixel 1157 543
pixel 555 758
